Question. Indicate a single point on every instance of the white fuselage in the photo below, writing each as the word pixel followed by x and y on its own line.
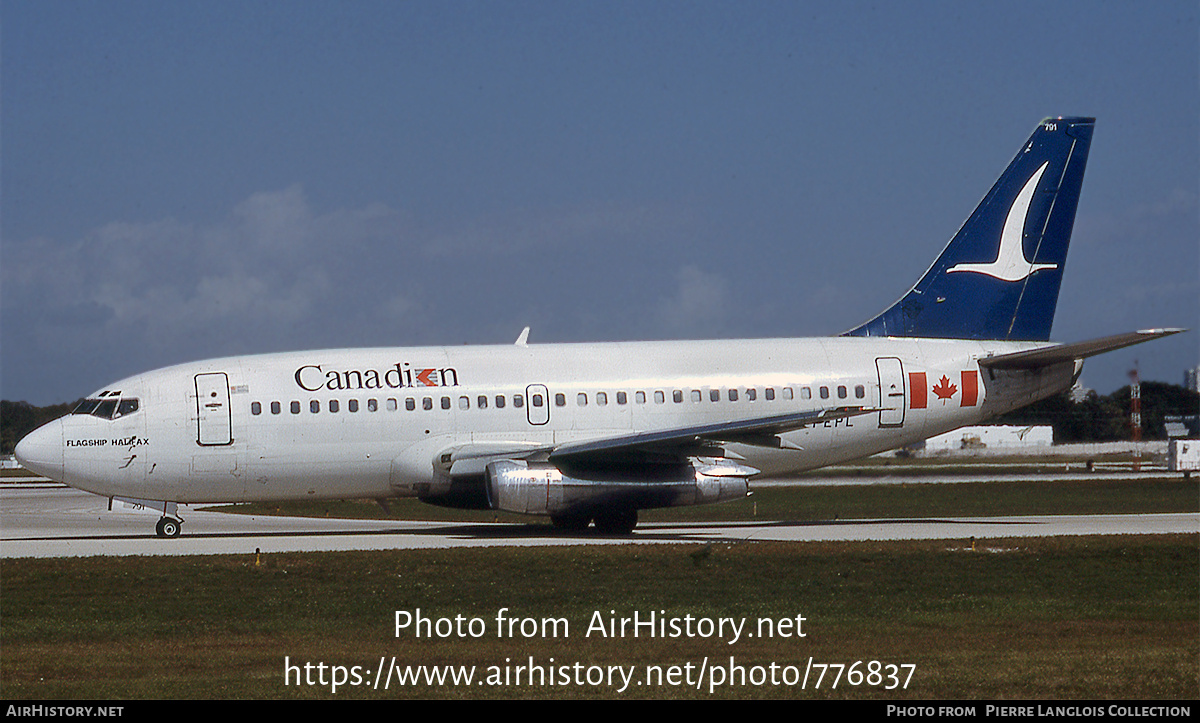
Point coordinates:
pixel 373 423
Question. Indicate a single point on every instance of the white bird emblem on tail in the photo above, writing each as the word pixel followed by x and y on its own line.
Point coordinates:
pixel 1010 263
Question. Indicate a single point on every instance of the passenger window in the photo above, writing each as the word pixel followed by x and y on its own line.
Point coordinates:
pixel 536 400
pixel 677 395
pixel 860 391
pixel 769 393
pixel 622 398
pixel 518 401
pixel 806 393
pixel 659 397
pixel 787 392
pixel 824 392
pixel 751 394
pixel 714 395
pixel 445 402
pixel 841 392
pixel 333 405
pixel 275 408
pixel 427 403
pixel 639 397
pixel 372 405
pixel 391 405
pixel 255 408
pixel 464 403
pixel 410 404
pixel 314 406
pixel 481 401
pixel 601 398
pixel 352 405
pixel 295 407
pixel 560 400
pixel 733 395
pixel 499 401
pixel 696 395
pixel 581 399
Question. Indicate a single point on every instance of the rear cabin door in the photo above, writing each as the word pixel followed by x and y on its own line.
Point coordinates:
pixel 891 391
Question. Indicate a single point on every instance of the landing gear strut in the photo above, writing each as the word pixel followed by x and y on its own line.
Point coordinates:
pixel 168 527
pixel 610 522
pixel 570 523
pixel 616 522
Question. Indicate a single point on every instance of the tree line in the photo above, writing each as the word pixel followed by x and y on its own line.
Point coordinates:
pixel 1107 418
pixel 20 418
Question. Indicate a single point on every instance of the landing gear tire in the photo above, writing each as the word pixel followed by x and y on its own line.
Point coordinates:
pixel 570 523
pixel 168 527
pixel 616 522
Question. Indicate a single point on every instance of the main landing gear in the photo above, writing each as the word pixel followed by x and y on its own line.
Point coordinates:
pixel 168 527
pixel 609 522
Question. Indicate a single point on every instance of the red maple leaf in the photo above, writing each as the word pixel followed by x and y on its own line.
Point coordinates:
pixel 944 389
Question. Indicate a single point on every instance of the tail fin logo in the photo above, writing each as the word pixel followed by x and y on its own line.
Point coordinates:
pixel 1011 264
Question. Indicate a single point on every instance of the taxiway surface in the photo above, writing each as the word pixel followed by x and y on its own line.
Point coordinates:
pixel 49 520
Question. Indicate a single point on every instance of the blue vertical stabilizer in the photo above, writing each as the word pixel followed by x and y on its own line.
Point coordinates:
pixel 999 276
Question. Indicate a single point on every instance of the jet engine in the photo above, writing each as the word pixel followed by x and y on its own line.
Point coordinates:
pixel 573 498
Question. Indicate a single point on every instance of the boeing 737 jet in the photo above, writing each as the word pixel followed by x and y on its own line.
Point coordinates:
pixel 587 433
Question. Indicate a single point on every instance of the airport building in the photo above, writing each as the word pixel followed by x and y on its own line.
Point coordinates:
pixel 1008 437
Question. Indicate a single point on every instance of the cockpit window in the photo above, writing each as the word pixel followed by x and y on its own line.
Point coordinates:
pixel 107 408
pixel 87 406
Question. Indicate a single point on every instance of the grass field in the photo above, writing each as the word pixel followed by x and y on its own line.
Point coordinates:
pixel 1061 618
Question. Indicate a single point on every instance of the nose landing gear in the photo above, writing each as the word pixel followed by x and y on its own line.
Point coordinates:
pixel 168 527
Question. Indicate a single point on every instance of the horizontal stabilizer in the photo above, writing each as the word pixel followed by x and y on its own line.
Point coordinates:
pixel 1061 353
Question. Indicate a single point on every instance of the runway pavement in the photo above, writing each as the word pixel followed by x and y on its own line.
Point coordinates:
pixel 49 520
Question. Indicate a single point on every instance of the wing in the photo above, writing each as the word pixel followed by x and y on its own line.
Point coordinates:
pixel 703 440
pixel 647 450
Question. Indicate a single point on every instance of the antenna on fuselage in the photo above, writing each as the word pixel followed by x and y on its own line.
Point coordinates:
pixel 523 339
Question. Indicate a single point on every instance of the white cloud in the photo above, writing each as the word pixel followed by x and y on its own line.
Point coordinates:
pixel 698 306
pixel 164 284
pixel 525 231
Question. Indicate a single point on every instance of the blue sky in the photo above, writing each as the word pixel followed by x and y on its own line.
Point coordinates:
pixel 188 180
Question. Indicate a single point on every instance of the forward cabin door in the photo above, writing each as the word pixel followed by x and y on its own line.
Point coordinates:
pixel 891 391
pixel 214 421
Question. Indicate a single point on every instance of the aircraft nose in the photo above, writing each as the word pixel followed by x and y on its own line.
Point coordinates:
pixel 41 451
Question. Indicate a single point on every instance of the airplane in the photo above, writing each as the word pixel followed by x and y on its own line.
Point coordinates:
pixel 595 432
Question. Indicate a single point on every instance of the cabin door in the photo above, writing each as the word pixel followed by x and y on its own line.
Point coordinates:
pixel 537 404
pixel 214 420
pixel 891 391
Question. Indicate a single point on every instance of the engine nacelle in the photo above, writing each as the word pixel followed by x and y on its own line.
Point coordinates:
pixel 543 489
